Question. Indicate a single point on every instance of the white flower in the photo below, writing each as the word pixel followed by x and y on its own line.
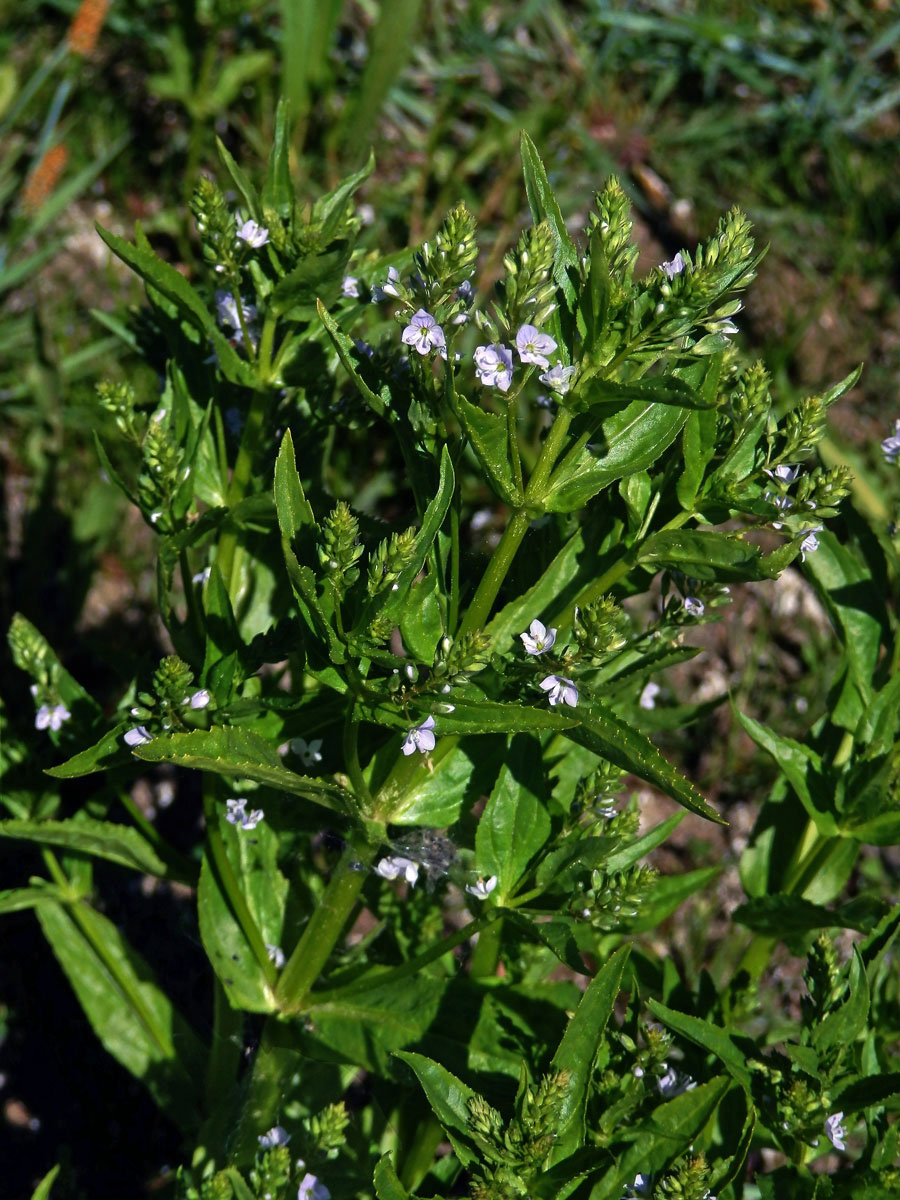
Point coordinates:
pixel 810 543
pixel 138 736
pixel 783 472
pixel 674 267
pixel 560 690
pixel 694 607
pixel 424 334
pixel 202 576
pixel 276 956
pixel 227 310
pixel 51 718
pixel 534 346
pixel 648 696
pixel 559 378
pixel 421 738
pixel 494 366
pixel 482 888
pixel 396 866
pixel 539 639
pixel 350 287
pixel 835 1131
pixel 640 1187
pixel 199 699
pixel 311 1189
pixel 254 235
pixel 236 814
pixel 389 289
pixel 309 753
pixel 275 1137
pixel 672 1084
pixel 890 447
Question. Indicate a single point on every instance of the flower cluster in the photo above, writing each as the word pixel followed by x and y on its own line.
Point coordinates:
pixel 236 814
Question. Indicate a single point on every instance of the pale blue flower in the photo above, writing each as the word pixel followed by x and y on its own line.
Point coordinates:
pixel 694 607
pixel 51 718
pixel 138 736
pixel 395 866
pixel 560 690
pixel 275 1137
pixel 890 447
pixel 648 695
pixel 835 1131
pixel 236 814
pixel 311 1189
pixel 810 543
pixel 559 378
pixel 674 267
pixel 424 334
pixel 254 235
pixel 421 738
pixel 494 366
pixel 199 699
pixel 534 346
pixel 539 639
pixel 309 753
pixel 350 287
pixel 482 888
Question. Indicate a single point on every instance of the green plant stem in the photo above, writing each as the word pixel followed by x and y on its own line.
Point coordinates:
pixel 812 849
pixel 351 759
pixel 226 553
pixel 390 975
pixel 501 560
pixel 222 1070
pixel 324 928
pixel 487 952
pixel 221 864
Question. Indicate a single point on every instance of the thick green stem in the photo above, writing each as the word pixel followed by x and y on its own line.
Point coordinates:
pixel 226 554
pixel 324 929
pixel 487 952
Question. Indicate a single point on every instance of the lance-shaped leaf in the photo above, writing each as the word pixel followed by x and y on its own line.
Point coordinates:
pixel 103 839
pixel 387 1182
pixel 660 389
pixel 704 554
pixel 544 207
pixel 344 347
pixel 628 441
pixel 802 768
pixel 293 508
pixel 668 1132
pixel 449 1098
pixel 515 823
pixel 488 434
pixel 109 751
pixel 579 1047
pixel 231 750
pixel 129 1012
pixel 710 1037
pixel 607 735
pixel 844 1025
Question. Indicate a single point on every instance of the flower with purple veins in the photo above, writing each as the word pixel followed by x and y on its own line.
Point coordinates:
pixel 674 267
pixel 310 752
pixel 835 1131
pixel 424 334
pixel 890 447
pixel 51 718
pixel 482 888
pixel 494 366
pixel 236 814
pixel 395 866
pixel 421 738
pixel 311 1189
pixel 534 346
pixel 810 543
pixel 253 234
pixel 560 690
pixel 559 378
pixel 276 1136
pixel 138 736
pixel 539 639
